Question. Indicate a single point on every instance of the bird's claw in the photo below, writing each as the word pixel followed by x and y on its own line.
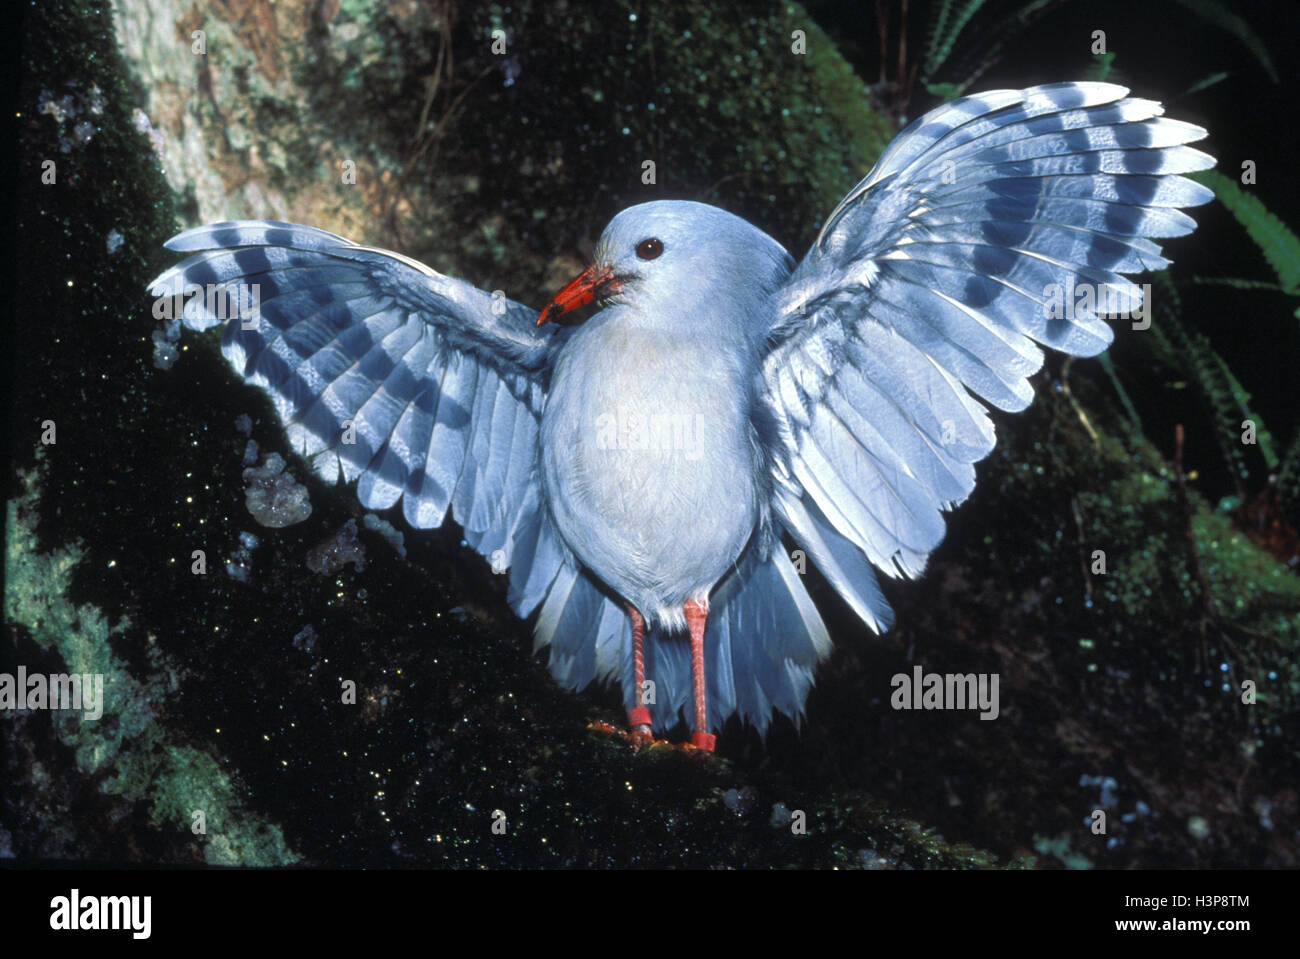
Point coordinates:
pixel 639 737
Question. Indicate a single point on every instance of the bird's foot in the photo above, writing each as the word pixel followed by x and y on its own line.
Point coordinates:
pixel 704 741
pixel 638 728
pixel 638 737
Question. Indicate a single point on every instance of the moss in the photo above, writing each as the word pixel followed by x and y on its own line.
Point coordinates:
pixel 190 780
pixel 125 749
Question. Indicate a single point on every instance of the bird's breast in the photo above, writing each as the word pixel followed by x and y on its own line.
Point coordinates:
pixel 647 459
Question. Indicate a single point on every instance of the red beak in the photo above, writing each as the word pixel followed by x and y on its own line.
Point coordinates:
pixel 593 283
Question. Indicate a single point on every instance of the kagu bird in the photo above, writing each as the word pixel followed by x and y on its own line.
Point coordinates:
pixel 637 472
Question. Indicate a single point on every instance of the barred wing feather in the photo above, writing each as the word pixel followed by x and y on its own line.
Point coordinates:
pixel 933 286
pixel 419 387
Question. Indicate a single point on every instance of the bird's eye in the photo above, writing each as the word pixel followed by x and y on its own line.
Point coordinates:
pixel 650 249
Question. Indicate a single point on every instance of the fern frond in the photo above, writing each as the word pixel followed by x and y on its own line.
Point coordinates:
pixel 944 37
pixel 995 38
pixel 938 23
pixel 1238 283
pixel 1242 399
pixel 1228 402
pixel 1204 84
pixel 1108 365
pixel 1279 245
pixel 1101 67
pixel 1218 14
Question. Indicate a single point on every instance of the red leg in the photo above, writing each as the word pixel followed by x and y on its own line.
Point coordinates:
pixel 638 718
pixel 696 614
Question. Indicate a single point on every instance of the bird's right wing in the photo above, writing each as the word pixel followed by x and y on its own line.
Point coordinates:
pixel 420 387
pixel 991 225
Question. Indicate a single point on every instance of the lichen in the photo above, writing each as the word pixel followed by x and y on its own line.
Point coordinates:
pixel 337 550
pixel 273 497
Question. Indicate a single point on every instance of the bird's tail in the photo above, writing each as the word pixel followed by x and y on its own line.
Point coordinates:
pixel 763 640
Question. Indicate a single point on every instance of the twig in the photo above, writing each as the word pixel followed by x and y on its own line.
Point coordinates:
pixel 1083 549
pixel 432 140
pixel 902 51
pixel 1065 388
pixel 882 28
pixel 739 175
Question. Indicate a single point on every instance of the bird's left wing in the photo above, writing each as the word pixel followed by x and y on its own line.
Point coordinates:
pixel 418 386
pixel 991 225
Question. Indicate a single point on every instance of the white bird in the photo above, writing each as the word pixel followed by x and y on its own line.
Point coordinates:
pixel 638 473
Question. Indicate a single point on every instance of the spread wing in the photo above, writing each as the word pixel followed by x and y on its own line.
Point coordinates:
pixel 993 225
pixel 418 386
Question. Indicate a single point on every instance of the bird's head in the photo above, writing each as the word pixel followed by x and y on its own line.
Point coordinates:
pixel 673 256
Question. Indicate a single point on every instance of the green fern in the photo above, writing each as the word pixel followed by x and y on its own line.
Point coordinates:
pixel 1242 401
pixel 1238 283
pixel 943 36
pixel 1279 245
pixel 1228 401
pixel 1217 14
pixel 944 91
pixel 1205 83
pixel 1108 366
pixel 1281 248
pixel 1101 67
pixel 950 18
pixel 938 23
pixel 993 39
